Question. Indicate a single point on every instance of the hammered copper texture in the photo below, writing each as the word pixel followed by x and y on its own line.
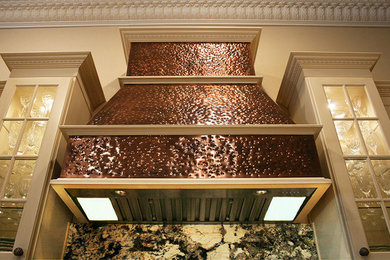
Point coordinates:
pixel 206 156
pixel 191 104
pixel 190 59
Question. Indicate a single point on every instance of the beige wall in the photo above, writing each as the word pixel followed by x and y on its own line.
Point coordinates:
pixel 275 45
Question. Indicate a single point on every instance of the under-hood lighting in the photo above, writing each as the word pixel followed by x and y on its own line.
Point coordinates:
pixel 98 209
pixel 283 208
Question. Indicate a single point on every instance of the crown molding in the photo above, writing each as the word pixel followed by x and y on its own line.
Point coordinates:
pixel 44 60
pixel 383 87
pixel 300 61
pixel 191 34
pixel 82 62
pixel 49 13
pixel 2 84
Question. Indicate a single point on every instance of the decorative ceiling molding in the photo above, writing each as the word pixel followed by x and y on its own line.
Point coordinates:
pixel 383 87
pixel 191 34
pixel 300 61
pixel 48 13
pixel 82 61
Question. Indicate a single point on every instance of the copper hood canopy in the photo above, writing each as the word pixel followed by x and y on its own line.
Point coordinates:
pixel 136 136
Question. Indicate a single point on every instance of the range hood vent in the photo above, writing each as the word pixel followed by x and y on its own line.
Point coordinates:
pixel 192 113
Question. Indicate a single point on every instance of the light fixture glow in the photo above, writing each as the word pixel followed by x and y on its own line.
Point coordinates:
pixel 98 209
pixel 283 208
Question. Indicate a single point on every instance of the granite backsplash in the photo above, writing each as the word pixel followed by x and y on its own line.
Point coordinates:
pixel 228 241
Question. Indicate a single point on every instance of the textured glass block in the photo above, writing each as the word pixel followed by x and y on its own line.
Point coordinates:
pixel 190 59
pixel 361 179
pixel 10 214
pixel 360 102
pixel 9 134
pixel 32 138
pixel 337 102
pixel 206 156
pixel 382 172
pixel 348 137
pixel 43 101
pixel 19 181
pixel 201 104
pixel 373 137
pixel 374 225
pixel 20 101
pixel 4 164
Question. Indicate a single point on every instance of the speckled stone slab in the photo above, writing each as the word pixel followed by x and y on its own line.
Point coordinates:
pixel 126 241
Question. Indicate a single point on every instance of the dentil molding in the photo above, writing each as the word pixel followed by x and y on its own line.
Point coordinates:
pixel 45 13
pixel 299 61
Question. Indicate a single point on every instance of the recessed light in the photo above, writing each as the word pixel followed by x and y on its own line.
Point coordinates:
pixel 261 192
pixel 98 209
pixel 283 208
pixel 120 192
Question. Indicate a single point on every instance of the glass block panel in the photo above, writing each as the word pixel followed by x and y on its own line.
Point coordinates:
pixel 373 137
pixel 19 181
pixel 43 101
pixel 20 101
pixel 374 225
pixel 382 173
pixel 32 138
pixel 360 102
pixel 10 214
pixel 361 179
pixel 4 164
pixel 337 102
pixel 348 137
pixel 9 136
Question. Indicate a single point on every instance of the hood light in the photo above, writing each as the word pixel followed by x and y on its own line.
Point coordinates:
pixel 98 209
pixel 283 208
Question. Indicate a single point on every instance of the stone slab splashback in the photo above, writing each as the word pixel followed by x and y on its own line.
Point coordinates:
pixel 127 241
pixel 191 104
pixel 206 156
pixel 190 59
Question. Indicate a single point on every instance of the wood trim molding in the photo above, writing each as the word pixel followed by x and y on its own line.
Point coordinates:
pixel 49 13
pixel 190 34
pixel 2 84
pixel 116 130
pixel 50 61
pixel 131 80
pixel 300 61
pixel 383 87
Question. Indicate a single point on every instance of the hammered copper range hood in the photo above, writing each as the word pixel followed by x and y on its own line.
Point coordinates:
pixel 191 136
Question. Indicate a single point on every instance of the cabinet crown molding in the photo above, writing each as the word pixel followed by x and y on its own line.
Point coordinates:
pixel 81 61
pixel 45 60
pixel 49 13
pixel 299 61
pixel 2 84
pixel 383 87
